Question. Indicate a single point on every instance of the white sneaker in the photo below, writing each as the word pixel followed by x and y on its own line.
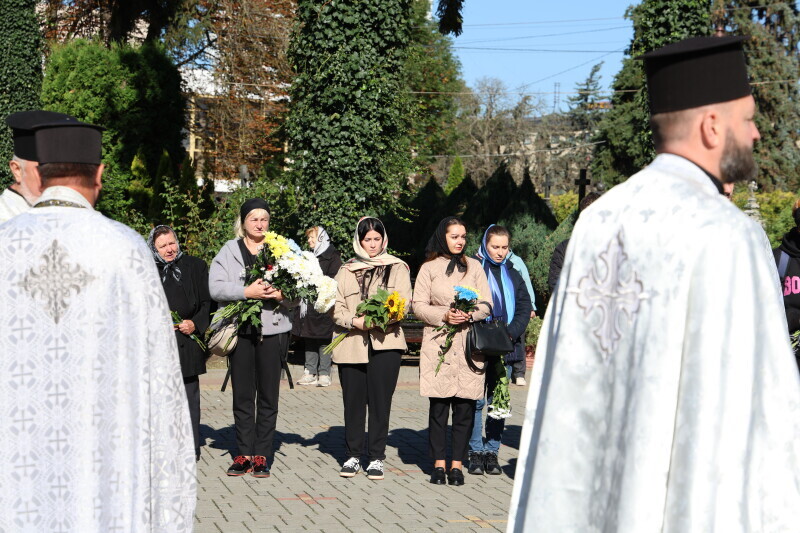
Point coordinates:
pixel 375 469
pixel 520 381
pixel 350 468
pixel 324 381
pixel 307 379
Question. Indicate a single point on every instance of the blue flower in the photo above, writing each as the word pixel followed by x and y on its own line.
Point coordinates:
pixel 466 293
pixel 293 246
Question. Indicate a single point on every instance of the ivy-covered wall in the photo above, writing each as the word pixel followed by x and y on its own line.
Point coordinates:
pixel 348 124
pixel 20 70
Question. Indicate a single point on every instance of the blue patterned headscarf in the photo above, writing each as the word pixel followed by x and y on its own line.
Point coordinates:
pixel 503 302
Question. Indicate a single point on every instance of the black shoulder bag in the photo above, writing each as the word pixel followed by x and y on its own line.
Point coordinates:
pixel 487 338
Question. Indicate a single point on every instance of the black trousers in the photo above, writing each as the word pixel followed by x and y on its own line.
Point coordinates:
pixel 518 369
pixel 256 379
pixel 192 384
pixel 463 420
pixel 369 384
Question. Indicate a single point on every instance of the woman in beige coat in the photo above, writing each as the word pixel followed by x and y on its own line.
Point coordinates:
pixel 368 359
pixel 456 386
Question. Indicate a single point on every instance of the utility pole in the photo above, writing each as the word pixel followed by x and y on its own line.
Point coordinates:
pixel 556 95
pixel 719 16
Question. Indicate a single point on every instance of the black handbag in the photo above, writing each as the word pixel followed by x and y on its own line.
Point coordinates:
pixel 487 338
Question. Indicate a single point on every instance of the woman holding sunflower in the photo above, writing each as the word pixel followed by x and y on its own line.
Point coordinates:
pixel 368 357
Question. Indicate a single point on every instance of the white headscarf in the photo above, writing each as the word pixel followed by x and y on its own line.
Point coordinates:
pixel 323 241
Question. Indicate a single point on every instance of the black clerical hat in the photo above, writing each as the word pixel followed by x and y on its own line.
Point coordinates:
pixel 69 141
pixel 22 125
pixel 696 72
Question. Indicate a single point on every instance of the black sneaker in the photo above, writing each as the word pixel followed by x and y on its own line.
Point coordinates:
pixel 455 477
pixel 350 467
pixel 241 465
pixel 491 465
pixel 475 463
pixel 260 468
pixel 375 469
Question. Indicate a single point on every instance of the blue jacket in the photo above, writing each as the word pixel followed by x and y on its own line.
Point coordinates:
pixel 522 311
pixel 519 265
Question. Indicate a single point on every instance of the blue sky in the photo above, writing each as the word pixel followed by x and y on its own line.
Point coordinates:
pixel 577 34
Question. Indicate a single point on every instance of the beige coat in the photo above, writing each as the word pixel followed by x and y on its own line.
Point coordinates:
pixel 433 294
pixel 355 347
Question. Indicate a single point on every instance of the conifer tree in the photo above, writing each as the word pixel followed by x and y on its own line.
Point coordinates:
pixel 432 74
pixel 583 110
pixel 455 176
pixel 772 63
pixel 627 145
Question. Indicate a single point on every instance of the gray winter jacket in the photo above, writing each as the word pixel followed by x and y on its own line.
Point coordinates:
pixel 226 284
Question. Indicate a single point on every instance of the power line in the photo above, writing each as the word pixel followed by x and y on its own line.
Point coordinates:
pixel 598 93
pixel 573 21
pixel 284 86
pixel 569 69
pixel 570 147
pixel 536 50
pixel 544 35
pixel 538 22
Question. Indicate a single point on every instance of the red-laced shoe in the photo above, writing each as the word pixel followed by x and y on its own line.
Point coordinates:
pixel 260 468
pixel 241 465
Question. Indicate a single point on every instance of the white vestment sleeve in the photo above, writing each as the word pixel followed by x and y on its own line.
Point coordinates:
pixel 171 435
pixel 736 448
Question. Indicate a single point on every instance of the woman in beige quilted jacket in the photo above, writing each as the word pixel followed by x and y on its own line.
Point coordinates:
pixel 456 386
pixel 368 359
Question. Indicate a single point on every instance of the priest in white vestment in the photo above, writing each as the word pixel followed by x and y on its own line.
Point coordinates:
pixel 26 189
pixel 96 435
pixel 665 397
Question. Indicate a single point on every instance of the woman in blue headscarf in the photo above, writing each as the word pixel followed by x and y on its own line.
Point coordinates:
pixel 511 303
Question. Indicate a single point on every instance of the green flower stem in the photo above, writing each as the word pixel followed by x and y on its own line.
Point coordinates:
pixel 177 320
pixel 501 398
pixel 328 350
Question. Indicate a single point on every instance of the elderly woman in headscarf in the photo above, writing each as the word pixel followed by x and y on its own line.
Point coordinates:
pixel 256 362
pixel 456 387
pixel 185 281
pixel 368 358
pixel 313 327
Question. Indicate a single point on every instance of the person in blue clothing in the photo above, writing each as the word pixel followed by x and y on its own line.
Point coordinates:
pixel 512 304
pixel 519 367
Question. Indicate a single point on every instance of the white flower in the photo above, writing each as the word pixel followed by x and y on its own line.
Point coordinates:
pixel 499 414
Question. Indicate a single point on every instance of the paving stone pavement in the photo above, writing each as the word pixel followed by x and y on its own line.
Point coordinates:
pixel 305 492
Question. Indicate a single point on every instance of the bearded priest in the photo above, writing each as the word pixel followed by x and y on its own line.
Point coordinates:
pixel 93 415
pixel 665 397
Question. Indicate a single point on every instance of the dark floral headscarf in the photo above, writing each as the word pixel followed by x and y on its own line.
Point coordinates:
pixel 166 268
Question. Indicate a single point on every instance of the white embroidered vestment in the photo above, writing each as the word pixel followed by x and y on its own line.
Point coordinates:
pixel 665 397
pixel 93 413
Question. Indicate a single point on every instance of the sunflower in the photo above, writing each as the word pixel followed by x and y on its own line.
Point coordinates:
pixel 396 305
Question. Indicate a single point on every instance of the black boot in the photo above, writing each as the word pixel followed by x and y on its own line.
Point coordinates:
pixel 475 463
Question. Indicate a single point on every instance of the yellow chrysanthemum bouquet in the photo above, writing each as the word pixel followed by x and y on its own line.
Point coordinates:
pixel 378 311
pixel 282 264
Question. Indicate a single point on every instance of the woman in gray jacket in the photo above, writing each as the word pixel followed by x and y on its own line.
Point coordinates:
pixel 256 361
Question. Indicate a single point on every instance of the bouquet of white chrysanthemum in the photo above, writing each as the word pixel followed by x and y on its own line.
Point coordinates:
pixel 326 294
pixel 295 273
